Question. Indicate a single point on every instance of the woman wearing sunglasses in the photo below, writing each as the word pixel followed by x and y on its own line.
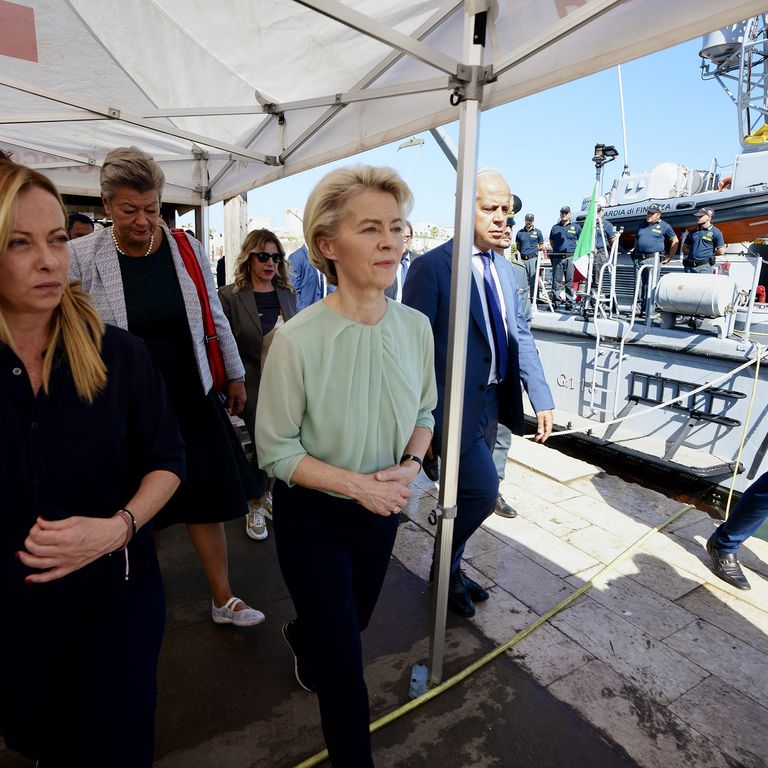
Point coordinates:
pixel 259 301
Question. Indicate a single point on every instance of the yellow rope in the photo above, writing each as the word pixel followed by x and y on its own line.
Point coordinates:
pixel 472 668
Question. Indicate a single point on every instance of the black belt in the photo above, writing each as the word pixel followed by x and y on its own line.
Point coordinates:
pixel 530 256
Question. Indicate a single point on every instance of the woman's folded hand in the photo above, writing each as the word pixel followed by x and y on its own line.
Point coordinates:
pixel 59 547
pixel 382 497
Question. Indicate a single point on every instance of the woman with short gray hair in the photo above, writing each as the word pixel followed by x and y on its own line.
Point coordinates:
pixel 137 280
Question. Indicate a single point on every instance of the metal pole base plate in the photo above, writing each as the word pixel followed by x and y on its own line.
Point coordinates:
pixel 419 681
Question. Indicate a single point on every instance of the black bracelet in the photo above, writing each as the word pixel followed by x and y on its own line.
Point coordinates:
pixel 410 457
pixel 134 527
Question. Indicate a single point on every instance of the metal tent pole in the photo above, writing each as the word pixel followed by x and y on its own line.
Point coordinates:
pixel 461 277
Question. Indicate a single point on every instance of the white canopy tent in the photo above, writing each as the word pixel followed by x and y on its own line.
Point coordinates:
pixel 233 96
pixel 230 96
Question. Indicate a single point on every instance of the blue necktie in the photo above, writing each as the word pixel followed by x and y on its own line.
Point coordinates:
pixel 497 321
pixel 403 269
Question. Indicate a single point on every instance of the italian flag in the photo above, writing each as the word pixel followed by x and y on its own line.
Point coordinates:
pixel 586 243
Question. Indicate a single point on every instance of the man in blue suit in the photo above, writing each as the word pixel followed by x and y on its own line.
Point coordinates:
pixel 500 354
pixel 308 281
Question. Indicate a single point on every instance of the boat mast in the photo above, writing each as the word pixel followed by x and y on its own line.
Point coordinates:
pixel 626 171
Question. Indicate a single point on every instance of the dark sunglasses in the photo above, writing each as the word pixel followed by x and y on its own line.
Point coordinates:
pixel 265 257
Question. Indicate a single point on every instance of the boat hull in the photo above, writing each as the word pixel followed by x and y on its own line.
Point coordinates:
pixel 657 364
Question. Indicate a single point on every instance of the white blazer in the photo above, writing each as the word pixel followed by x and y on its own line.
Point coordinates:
pixel 95 264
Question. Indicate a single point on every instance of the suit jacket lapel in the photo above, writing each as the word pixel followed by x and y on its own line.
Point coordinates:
pixel 475 304
pixel 284 297
pixel 249 302
pixel 108 266
pixel 509 289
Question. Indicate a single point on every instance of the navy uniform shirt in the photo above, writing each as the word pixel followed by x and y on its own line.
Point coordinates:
pixel 564 238
pixel 650 237
pixel 703 241
pixel 528 240
pixel 610 231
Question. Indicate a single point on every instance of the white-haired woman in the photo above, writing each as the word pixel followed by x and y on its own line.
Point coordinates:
pixel 343 420
pixel 89 452
pixel 137 279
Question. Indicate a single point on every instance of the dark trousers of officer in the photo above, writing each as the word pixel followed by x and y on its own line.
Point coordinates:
pixel 747 516
pixel 562 266
pixel 600 258
pixel 334 555
pixel 530 267
pixel 478 486
pixel 698 267
pixel 643 260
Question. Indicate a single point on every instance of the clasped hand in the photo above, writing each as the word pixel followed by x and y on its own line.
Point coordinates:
pixel 59 547
pixel 386 492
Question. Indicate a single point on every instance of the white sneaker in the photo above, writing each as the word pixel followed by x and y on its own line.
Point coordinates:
pixel 256 525
pixel 227 614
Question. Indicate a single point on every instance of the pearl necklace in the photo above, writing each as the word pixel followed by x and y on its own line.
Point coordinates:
pixel 122 252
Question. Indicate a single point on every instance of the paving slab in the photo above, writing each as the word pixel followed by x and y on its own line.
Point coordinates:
pixel 704 707
pixel 650 733
pixel 540 485
pixel 557 555
pixel 550 517
pixel 641 606
pixel 599 544
pixel 532 584
pixel 548 461
pixel 725 656
pixel 648 664
pixel 618 522
pixel 643 503
pixel 729 613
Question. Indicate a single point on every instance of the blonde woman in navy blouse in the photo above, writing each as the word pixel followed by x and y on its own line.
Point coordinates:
pixel 343 420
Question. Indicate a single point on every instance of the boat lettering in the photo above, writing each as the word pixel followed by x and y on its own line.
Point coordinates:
pixel 565 381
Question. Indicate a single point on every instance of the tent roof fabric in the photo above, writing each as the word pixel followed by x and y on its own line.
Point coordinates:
pixel 228 97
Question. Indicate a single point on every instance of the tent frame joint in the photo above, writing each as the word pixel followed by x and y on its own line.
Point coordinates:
pixel 469 82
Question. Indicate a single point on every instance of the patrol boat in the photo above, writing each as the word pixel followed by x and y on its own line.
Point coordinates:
pixel 684 388
pixel 731 55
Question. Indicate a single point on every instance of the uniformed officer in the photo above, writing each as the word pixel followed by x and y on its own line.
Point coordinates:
pixel 605 234
pixel 649 243
pixel 703 245
pixel 529 242
pixel 563 238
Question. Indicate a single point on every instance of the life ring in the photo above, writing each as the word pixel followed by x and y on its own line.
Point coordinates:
pixel 724 183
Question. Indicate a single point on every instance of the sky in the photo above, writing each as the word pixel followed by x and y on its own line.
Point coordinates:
pixel 543 144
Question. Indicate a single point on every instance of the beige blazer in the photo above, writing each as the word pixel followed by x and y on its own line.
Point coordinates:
pixel 95 264
pixel 243 315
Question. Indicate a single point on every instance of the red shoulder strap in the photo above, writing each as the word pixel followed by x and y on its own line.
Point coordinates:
pixel 193 268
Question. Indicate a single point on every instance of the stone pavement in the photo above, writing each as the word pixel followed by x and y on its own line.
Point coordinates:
pixel 666 660
pixel 660 665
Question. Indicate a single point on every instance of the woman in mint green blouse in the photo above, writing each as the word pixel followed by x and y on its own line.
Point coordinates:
pixel 343 420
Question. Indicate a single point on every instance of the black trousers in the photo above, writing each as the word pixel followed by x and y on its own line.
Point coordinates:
pixel 78 661
pixel 334 555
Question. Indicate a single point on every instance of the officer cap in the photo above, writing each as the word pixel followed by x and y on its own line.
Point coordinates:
pixel 653 208
pixel 565 209
pixel 704 212
pixel 529 217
